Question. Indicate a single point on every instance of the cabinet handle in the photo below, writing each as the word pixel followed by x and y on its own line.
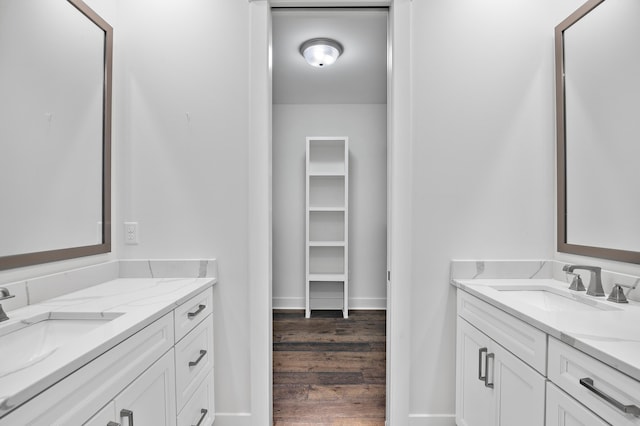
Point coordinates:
pixel 113 424
pixel 192 315
pixel 486 370
pixel 480 376
pixel 197 361
pixel 628 409
pixel 128 414
pixel 202 417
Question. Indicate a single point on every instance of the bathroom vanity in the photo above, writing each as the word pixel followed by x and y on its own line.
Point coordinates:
pixel 127 351
pixel 533 352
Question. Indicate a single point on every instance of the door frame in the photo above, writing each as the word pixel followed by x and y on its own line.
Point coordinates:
pixel 399 196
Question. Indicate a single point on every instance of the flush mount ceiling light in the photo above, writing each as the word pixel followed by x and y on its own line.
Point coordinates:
pixel 321 52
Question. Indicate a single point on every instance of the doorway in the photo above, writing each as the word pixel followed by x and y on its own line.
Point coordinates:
pixel 348 99
pixel 399 282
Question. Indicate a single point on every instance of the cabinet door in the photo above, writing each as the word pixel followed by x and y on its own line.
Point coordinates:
pixel 151 399
pixel 474 399
pixel 563 410
pixel 520 390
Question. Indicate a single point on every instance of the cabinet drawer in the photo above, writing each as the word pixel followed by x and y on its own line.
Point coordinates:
pixel 200 409
pixel 562 410
pixel 194 359
pixel 568 366
pixel 191 312
pixel 523 340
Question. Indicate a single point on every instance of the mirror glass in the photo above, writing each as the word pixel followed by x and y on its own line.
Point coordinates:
pixel 598 82
pixel 54 131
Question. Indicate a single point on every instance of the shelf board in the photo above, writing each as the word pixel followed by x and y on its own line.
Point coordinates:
pixel 326 173
pixel 326 209
pixel 327 277
pixel 327 243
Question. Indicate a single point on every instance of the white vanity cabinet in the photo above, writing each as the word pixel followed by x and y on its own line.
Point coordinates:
pixel 194 361
pixel 610 394
pixel 160 376
pixel 148 400
pixel 493 385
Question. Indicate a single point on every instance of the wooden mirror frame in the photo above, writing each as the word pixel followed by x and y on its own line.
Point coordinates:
pixel 27 259
pixel 563 245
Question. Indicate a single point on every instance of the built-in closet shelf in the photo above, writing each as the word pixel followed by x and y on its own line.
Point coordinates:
pixel 327 173
pixel 327 243
pixel 327 277
pixel 326 209
pixel 327 228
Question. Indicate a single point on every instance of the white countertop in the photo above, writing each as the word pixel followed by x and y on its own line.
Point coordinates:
pixel 611 336
pixel 140 301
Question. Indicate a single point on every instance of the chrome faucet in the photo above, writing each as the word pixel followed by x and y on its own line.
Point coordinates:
pixel 4 294
pixel 595 283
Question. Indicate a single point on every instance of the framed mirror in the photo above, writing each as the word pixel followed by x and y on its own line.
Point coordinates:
pixel 598 130
pixel 55 131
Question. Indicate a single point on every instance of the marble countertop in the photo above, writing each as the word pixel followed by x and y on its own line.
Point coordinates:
pixel 134 302
pixel 611 336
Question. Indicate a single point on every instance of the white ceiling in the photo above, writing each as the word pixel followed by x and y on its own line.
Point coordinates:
pixel 359 76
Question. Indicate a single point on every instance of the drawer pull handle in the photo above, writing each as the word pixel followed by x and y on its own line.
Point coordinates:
pixel 113 424
pixel 197 361
pixel 629 409
pixel 128 414
pixel 202 417
pixel 480 376
pixel 486 370
pixel 192 315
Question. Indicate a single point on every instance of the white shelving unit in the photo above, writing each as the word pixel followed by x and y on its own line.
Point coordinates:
pixel 327 224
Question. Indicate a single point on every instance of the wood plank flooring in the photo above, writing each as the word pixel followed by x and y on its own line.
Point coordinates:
pixel 328 370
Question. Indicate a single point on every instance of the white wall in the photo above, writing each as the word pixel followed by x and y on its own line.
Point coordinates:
pixel 483 145
pixel 182 96
pixel 365 125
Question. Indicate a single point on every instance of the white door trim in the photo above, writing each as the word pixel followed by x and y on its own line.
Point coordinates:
pixel 400 194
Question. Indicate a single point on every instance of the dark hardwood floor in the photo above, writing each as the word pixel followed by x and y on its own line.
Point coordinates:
pixel 328 370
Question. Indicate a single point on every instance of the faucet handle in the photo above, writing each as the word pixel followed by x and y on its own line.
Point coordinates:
pixel 617 295
pixel 4 294
pixel 576 283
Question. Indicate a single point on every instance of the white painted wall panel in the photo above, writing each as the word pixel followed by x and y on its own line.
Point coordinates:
pixel 483 150
pixel 183 71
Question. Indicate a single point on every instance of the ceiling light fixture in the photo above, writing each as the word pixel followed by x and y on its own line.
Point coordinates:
pixel 321 52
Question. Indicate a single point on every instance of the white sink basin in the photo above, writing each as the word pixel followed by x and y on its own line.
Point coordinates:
pixel 30 341
pixel 552 299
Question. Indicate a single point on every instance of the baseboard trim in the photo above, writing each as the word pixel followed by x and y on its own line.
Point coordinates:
pixel 233 419
pixel 360 303
pixel 432 420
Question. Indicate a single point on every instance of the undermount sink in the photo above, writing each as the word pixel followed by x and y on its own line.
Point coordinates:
pixel 552 299
pixel 32 340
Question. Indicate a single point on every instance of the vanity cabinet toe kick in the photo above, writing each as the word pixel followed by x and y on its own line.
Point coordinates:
pixel 161 375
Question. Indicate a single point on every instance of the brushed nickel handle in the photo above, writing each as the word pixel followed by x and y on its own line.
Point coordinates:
pixel 128 414
pixel 627 409
pixel 486 370
pixel 192 315
pixel 202 417
pixel 197 361
pixel 113 424
pixel 480 376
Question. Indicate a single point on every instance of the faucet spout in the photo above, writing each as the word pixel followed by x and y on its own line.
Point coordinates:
pixel 595 283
